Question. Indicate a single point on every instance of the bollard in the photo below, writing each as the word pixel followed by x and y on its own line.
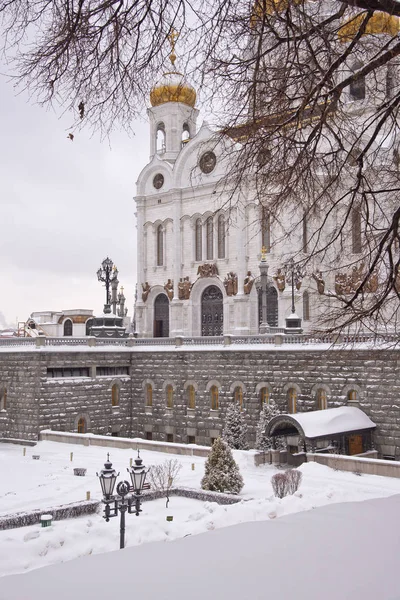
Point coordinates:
pixel 87 495
pixel 130 462
pixel 192 466
pixel 71 456
pixel 24 451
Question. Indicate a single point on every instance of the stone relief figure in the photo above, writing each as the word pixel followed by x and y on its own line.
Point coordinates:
pixel 372 284
pixel 184 288
pixel 348 283
pixel 320 282
pixel 207 270
pixel 231 283
pixel 169 288
pixel 248 283
pixel 280 280
pixel 146 291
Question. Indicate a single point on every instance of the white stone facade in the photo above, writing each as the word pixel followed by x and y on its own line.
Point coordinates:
pixel 174 241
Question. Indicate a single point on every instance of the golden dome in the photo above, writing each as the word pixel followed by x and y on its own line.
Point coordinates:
pixel 173 87
pixel 379 23
pixel 271 7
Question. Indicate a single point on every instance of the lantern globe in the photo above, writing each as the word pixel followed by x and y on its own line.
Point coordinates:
pixel 138 475
pixel 107 477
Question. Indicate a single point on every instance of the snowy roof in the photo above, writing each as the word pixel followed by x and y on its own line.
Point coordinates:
pixel 322 423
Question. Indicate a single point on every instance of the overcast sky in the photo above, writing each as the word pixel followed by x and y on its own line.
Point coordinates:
pixel 65 206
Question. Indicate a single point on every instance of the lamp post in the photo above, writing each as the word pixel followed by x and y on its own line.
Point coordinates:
pixel 107 273
pixel 264 327
pixel 124 501
pixel 294 277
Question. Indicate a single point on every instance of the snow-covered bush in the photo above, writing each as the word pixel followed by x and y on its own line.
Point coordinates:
pixel 279 484
pixel 286 483
pixel 235 430
pixel 263 442
pixel 294 478
pixel 162 477
pixel 221 471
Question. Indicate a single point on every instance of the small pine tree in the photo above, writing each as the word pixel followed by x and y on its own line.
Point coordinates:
pixel 263 442
pixel 221 471
pixel 235 430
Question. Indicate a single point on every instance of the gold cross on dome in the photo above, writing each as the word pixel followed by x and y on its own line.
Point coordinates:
pixel 263 253
pixel 173 36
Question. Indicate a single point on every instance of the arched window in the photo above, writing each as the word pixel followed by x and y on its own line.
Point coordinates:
pixel 198 239
pixel 306 306
pixel 191 396
pixel 356 230
pixel 115 395
pixel 264 396
pixel 214 397
pixel 221 236
pixel 322 401
pixel 149 394
pixel 161 138
pixel 89 324
pixel 160 246
pixel 265 229
pixel 305 233
pixel 210 238
pixel 357 87
pixel 68 328
pixel 292 400
pixel 82 425
pixel 169 391
pixel 3 399
pixel 185 134
pixel 352 396
pixel 238 396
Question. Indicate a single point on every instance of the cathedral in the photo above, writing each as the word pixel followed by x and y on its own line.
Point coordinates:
pixel 207 255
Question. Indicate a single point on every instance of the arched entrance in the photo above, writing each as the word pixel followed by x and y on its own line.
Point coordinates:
pixel 212 311
pixel 272 306
pixel 161 316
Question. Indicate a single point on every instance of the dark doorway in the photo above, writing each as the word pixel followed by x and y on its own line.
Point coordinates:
pixel 212 311
pixel 161 316
pixel 272 306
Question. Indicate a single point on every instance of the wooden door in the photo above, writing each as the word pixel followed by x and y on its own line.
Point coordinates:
pixel 355 444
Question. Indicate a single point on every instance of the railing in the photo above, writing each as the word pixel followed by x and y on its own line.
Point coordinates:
pixel 272 339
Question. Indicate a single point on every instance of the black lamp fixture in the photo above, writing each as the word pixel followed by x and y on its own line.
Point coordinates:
pixel 127 498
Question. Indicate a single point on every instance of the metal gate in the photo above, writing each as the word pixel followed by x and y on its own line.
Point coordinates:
pixel 161 316
pixel 212 311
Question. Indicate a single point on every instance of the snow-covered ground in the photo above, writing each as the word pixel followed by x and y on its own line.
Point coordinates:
pixel 49 482
pixel 348 551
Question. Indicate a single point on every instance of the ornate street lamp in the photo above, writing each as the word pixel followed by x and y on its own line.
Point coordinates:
pixel 106 274
pixel 294 276
pixel 124 501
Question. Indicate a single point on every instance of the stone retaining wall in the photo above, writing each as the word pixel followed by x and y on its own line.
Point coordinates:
pixel 36 402
pixel 367 466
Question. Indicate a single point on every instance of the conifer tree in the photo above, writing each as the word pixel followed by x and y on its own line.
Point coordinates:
pixel 221 471
pixel 235 430
pixel 263 442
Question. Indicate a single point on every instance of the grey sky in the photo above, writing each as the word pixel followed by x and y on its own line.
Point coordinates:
pixel 64 207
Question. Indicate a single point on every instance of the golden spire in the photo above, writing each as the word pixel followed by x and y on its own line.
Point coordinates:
pixel 173 36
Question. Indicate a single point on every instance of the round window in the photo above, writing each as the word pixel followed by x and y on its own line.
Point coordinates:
pixel 158 181
pixel 208 162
